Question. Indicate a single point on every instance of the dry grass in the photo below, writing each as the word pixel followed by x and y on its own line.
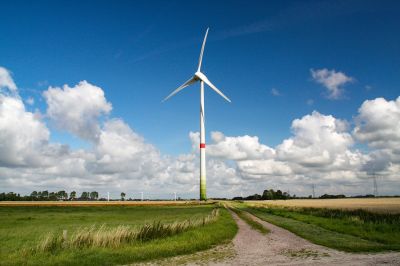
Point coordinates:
pixel 113 237
pixel 379 205
pixel 101 203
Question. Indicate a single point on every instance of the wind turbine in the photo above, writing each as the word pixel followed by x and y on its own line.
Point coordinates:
pixel 199 76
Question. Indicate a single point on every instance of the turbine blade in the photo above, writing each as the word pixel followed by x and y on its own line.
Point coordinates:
pixel 184 85
pixel 202 50
pixel 205 79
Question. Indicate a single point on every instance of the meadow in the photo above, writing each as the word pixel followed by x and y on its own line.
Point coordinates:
pixel 359 225
pixel 159 231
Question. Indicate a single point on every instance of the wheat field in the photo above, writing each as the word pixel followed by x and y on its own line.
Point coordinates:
pixel 381 205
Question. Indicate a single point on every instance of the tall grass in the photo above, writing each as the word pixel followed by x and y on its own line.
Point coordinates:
pixel 113 237
pixel 343 227
pixel 354 215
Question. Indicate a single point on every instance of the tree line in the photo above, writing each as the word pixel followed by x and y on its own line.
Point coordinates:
pixel 270 194
pixel 45 195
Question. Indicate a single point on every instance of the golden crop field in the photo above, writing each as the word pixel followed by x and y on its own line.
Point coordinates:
pixel 97 203
pixel 391 205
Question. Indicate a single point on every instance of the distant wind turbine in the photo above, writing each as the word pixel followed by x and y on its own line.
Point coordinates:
pixel 199 76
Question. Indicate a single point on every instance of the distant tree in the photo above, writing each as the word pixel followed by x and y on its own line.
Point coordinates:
pixel 123 196
pixel 327 196
pixel 34 194
pixel 254 197
pixel 94 195
pixel 84 196
pixel 53 196
pixel 286 195
pixel 237 198
pixel 45 194
pixel 72 195
pixel 61 195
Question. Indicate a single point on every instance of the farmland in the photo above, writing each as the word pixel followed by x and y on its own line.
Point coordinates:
pixel 355 225
pixel 383 205
pixel 22 228
pixel 124 232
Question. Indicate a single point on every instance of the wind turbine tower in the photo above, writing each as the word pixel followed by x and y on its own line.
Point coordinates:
pixel 199 76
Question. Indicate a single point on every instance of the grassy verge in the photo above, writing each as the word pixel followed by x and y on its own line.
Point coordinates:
pixel 253 224
pixel 192 240
pixel 343 232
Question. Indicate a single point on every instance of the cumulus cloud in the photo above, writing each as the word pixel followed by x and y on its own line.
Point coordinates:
pixel 120 150
pixel 22 134
pixel 77 109
pixel 377 125
pixel 238 148
pixel 320 150
pixel 333 81
pixel 6 80
pixel 317 141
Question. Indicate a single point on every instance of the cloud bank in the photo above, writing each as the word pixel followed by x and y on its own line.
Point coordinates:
pixel 322 150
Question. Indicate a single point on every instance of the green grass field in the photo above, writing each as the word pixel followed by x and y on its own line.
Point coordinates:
pixel 347 230
pixel 22 228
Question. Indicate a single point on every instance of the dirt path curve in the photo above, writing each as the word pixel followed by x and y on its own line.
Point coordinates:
pixel 281 247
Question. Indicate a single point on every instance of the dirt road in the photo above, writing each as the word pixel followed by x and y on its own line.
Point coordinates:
pixel 281 247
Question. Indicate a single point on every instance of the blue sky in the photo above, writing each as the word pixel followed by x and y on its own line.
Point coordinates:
pixel 137 52
pixel 140 51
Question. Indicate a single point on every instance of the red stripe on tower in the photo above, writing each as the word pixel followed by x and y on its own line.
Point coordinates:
pixel 202 145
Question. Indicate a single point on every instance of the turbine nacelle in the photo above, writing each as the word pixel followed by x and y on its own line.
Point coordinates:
pixel 198 75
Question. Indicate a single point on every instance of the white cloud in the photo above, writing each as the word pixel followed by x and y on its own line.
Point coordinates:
pixel 6 80
pixel 30 101
pixel 377 125
pixel 77 109
pixel 22 134
pixel 319 151
pixel 317 141
pixel 120 150
pixel 238 148
pixel 333 81
pixel 275 92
